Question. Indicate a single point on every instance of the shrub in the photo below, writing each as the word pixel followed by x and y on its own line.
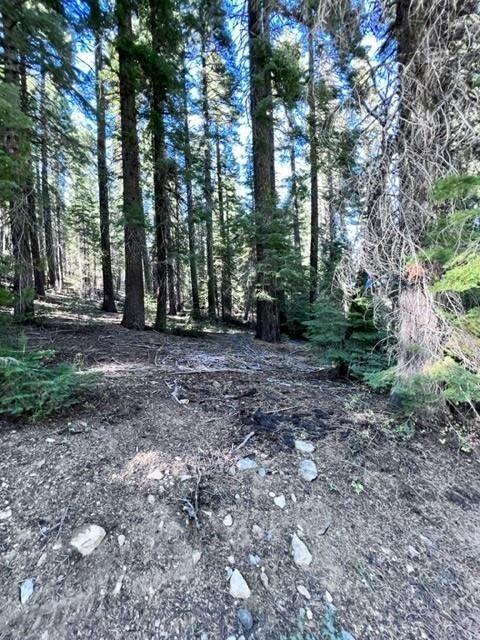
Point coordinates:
pixel 30 385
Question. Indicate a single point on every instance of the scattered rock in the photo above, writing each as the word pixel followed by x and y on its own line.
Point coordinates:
pixel 309 613
pixel 26 590
pixel 244 464
pixel 412 552
pixel 262 472
pixel 50 440
pixel 6 514
pixel 328 597
pixel 257 531
pixel 245 618
pixel 301 555
pixel 294 498
pixel 345 635
pixel 238 585
pixel 308 470
pixel 303 591
pixel 156 474
pixel 151 499
pixel 231 559
pixel 264 579
pixel 280 501
pixel 121 540
pixel 228 520
pixel 41 560
pixel 118 585
pixel 304 446
pixel 255 560
pixel 196 555
pixel 87 538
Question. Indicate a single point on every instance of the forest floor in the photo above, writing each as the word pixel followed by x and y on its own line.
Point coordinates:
pixel 152 455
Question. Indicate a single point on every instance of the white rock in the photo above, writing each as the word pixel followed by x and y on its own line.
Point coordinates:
pixel 156 474
pixel 231 559
pixel 244 464
pixel 301 555
pixel 303 591
pixel 150 499
pixel 257 531
pixel 294 498
pixel 309 613
pixel 238 586
pixel 26 590
pixel 264 579
pixel 228 520
pixel 121 540
pixel 196 555
pixel 87 538
pixel 308 470
pixel 328 597
pixel 280 501
pixel 6 514
pixel 304 446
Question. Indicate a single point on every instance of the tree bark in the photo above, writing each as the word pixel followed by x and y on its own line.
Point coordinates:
pixel 226 285
pixel 134 310
pixel 108 303
pixel 23 308
pixel 207 185
pixel 46 202
pixel 192 256
pixel 313 136
pixel 30 201
pixel 268 326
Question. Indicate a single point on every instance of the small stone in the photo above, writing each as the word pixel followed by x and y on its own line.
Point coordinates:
pixel 255 560
pixel 280 501
pixel 228 520
pixel 257 531
pixel 50 440
pixel 238 586
pixel 151 499
pixel 264 579
pixel 345 635
pixel 232 638
pixel 245 464
pixel 303 591
pixel 328 597
pixel 41 560
pixel 308 470
pixel 294 498
pixel 121 540
pixel 262 472
pixel 156 474
pixel 309 613
pixel 412 552
pixel 87 538
pixel 196 555
pixel 304 446
pixel 410 569
pixel 301 555
pixel 26 590
pixel 245 618
pixel 231 559
pixel 6 514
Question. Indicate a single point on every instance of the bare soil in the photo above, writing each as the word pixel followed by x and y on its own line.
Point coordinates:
pixel 393 524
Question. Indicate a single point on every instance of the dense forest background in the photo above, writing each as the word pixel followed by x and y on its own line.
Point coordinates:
pixel 309 168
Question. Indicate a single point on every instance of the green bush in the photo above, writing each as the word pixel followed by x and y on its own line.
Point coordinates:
pixel 30 385
pixel 350 340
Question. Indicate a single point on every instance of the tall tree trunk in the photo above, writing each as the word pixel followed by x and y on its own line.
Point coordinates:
pixel 313 136
pixel 295 204
pixel 192 254
pixel 108 303
pixel 160 173
pixel 226 285
pixel 46 202
pixel 23 309
pixel 268 326
pixel 30 201
pixel 178 243
pixel 134 311
pixel 207 178
pixel 59 226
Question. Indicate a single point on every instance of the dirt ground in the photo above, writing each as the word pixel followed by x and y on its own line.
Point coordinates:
pixel 392 522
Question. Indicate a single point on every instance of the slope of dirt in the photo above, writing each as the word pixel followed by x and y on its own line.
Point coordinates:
pixel 151 456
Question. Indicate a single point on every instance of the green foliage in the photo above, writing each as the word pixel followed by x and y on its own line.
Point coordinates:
pixel 351 341
pixel 31 386
pixel 454 187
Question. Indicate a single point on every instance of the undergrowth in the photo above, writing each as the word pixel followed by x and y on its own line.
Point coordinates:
pixel 31 385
